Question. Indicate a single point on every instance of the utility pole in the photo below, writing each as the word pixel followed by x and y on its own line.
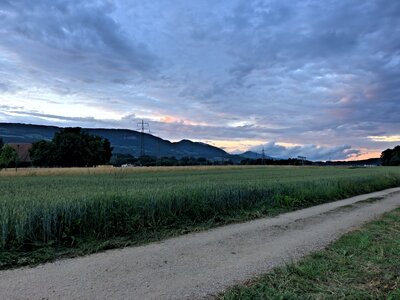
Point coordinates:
pixel 142 126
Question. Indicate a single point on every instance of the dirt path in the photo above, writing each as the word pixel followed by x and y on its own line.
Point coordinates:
pixel 196 265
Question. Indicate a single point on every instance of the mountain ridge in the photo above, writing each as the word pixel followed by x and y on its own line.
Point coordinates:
pixel 124 141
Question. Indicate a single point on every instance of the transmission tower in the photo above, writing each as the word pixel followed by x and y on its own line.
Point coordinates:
pixel 142 126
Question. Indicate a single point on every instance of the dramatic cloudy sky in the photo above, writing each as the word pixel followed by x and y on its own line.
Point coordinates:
pixel 314 78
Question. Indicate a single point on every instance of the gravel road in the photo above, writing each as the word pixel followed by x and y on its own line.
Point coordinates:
pixel 197 265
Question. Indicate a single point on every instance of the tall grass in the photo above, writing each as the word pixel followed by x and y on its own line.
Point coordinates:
pixel 37 210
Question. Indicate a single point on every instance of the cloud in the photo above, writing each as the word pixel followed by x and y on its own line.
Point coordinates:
pixel 74 40
pixel 302 72
pixel 3 87
pixel 385 138
pixel 8 87
pixel 312 152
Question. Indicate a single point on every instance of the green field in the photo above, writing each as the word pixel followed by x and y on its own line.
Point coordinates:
pixel 64 210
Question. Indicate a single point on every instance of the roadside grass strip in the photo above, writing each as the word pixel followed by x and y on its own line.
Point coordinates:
pixel 364 264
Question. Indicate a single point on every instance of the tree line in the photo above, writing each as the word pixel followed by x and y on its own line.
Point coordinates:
pixel 119 159
pixel 71 147
pixel 391 157
pixel 269 161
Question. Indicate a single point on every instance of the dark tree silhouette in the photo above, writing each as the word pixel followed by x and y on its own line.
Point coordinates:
pixel 391 157
pixel 72 147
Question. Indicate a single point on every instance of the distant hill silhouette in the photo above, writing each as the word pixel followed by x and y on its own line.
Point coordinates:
pixel 254 155
pixel 127 141
pixel 123 140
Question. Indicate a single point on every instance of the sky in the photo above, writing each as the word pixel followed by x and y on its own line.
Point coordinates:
pixel 314 78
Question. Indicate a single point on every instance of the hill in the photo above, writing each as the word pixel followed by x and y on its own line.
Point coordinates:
pixel 254 155
pixel 123 140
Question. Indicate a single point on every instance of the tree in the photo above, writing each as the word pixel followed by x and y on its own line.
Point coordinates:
pixel 107 150
pixel 391 157
pixel 119 159
pixel 8 155
pixel 42 154
pixel 1 148
pixel 72 147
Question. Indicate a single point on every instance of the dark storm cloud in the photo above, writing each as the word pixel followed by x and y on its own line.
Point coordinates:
pixel 72 39
pixel 305 72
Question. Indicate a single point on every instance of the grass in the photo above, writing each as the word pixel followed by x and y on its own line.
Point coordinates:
pixel 364 264
pixel 51 213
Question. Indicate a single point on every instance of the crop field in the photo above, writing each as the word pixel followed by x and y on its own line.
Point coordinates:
pixel 47 207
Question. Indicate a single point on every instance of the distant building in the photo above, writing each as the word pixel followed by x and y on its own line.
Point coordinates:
pixel 23 151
